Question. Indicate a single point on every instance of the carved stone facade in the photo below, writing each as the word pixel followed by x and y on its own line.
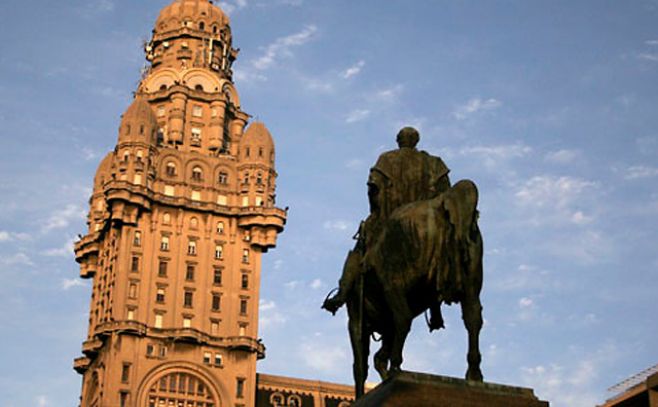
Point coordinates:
pixel 180 214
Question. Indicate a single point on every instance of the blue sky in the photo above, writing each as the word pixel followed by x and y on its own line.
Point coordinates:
pixel 549 106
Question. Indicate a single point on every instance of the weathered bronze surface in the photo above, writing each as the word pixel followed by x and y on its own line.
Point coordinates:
pixel 419 247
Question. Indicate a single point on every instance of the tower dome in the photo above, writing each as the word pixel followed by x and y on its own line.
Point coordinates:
pixel 201 15
pixel 104 171
pixel 257 143
pixel 138 123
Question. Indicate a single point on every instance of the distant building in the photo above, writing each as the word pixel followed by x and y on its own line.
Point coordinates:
pixel 180 214
pixel 640 390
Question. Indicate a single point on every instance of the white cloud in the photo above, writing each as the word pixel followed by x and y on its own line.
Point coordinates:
pixel 558 201
pixel 548 190
pixel 18 258
pixel 295 3
pixel 354 163
pixel 499 152
pixel 651 43
pixel 62 218
pixel 231 7
pixel 69 283
pixel 291 285
pixel 579 218
pixel 526 302
pixel 247 75
pixel 95 8
pixel 475 105
pixel 42 401
pixel 88 154
pixel 563 156
pixel 269 314
pixel 388 95
pixel 265 305
pixel 338 224
pixel 353 70
pixel 322 357
pixel 572 383
pixel 647 56
pixel 64 251
pixel 282 47
pixel 316 284
pixel 319 85
pixel 6 236
pixel 640 171
pixel 357 115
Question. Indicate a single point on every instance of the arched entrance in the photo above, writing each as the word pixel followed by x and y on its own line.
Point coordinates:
pixel 180 388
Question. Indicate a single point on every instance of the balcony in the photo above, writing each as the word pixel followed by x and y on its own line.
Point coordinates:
pixel 91 347
pixel 247 344
pixel 125 327
pixel 81 364
pixel 189 335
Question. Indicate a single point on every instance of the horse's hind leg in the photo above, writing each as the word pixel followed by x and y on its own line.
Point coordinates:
pixel 472 316
pixel 383 355
pixel 402 317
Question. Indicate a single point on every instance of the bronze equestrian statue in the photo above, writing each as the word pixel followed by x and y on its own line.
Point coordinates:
pixel 419 247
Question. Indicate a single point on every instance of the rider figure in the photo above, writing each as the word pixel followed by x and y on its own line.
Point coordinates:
pixel 399 177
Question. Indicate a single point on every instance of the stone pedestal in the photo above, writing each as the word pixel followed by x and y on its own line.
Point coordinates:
pixel 411 389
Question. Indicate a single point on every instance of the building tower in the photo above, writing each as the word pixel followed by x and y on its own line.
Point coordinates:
pixel 180 214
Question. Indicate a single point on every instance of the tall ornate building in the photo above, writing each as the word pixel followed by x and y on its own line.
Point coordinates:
pixel 180 215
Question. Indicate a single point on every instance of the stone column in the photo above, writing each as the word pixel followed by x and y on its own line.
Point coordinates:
pixel 177 118
pixel 236 129
pixel 217 124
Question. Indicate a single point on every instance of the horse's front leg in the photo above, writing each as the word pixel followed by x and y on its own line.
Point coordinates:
pixel 360 349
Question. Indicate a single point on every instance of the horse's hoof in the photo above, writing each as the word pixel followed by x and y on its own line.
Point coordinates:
pixel 474 375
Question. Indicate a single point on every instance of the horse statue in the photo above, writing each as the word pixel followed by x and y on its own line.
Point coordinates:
pixel 429 252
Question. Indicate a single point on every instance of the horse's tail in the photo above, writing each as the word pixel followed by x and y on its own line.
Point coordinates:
pixel 459 204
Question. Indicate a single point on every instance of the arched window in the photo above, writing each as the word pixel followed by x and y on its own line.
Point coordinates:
pixel 214 29
pixel 246 178
pixel 197 174
pixel 259 179
pixel 194 223
pixel 198 86
pixel 294 401
pixel 277 400
pixel 163 87
pixel 171 169
pixel 220 227
pixel 180 389
pixel 202 26
pixel 222 179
